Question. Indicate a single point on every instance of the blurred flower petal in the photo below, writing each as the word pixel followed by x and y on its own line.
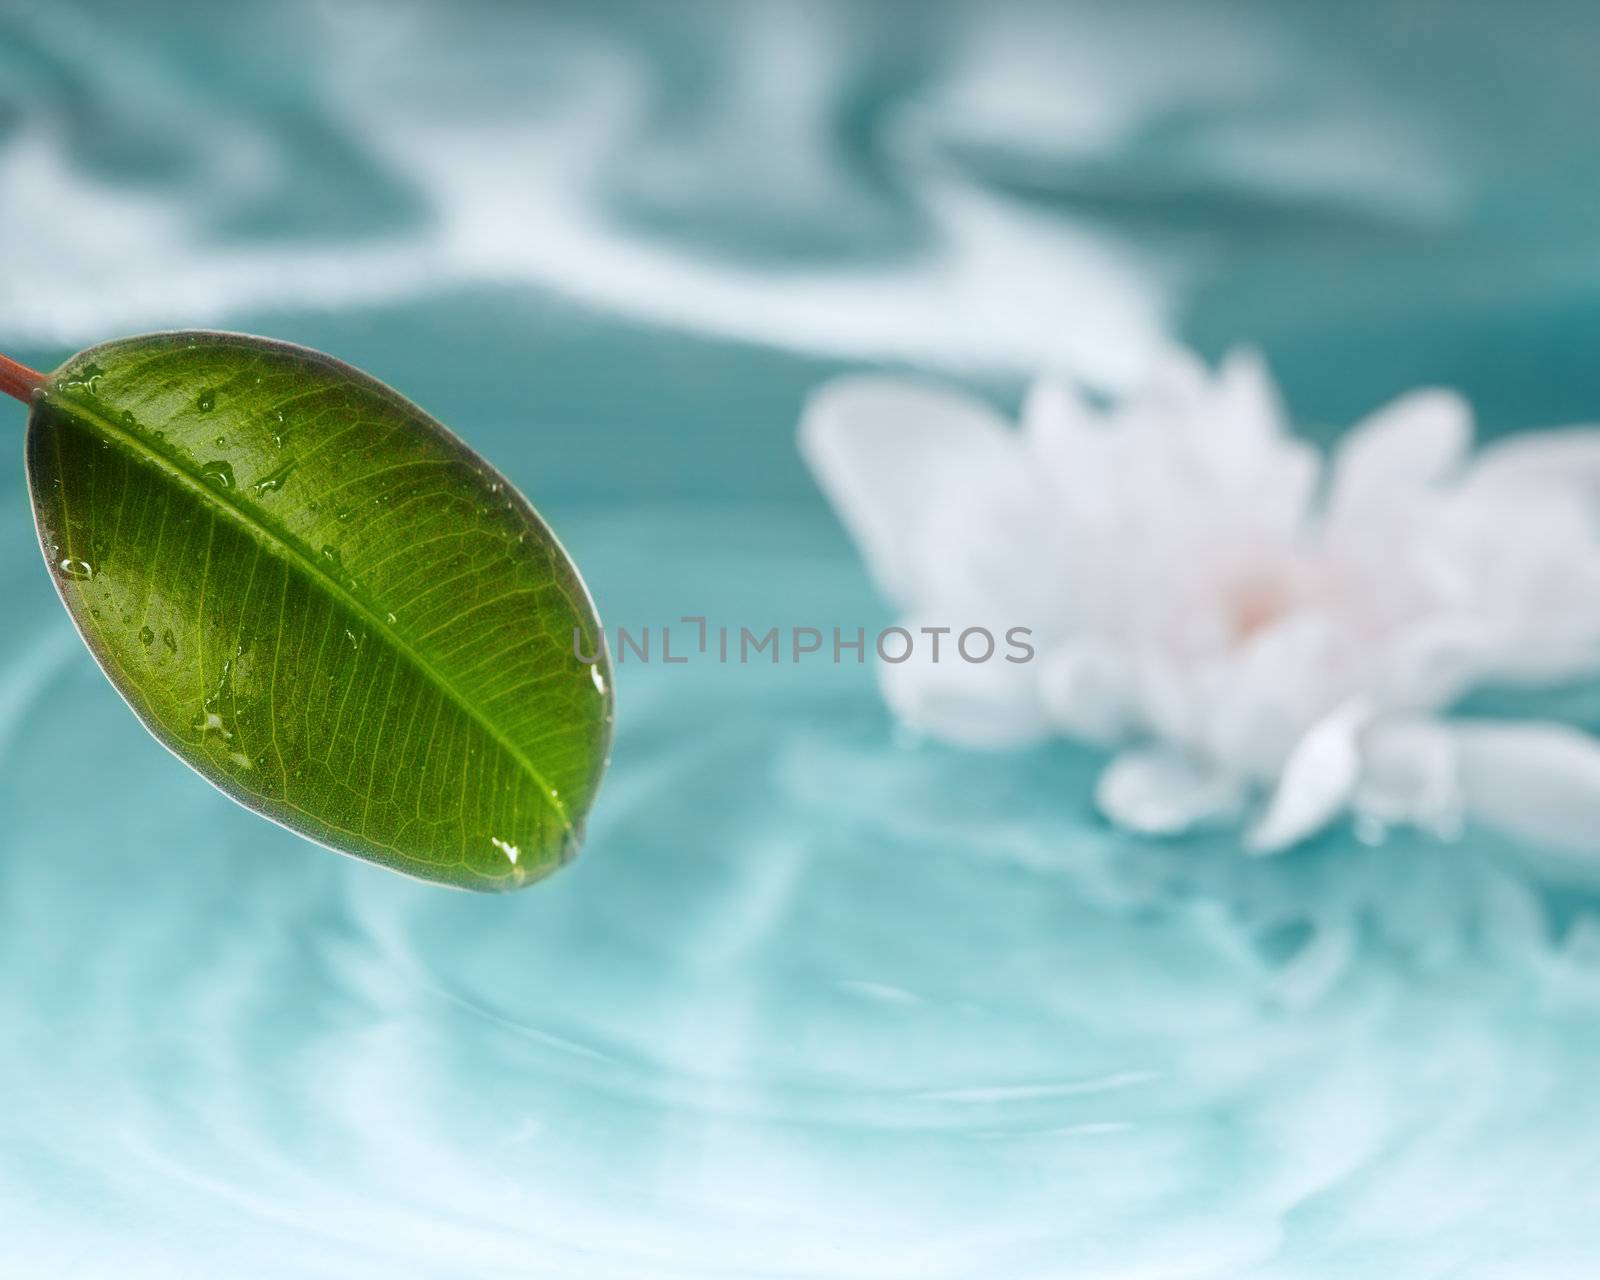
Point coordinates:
pixel 1315 785
pixel 1434 662
pixel 1087 691
pixel 1567 458
pixel 1410 775
pixel 1162 793
pixel 900 461
pixel 1245 415
pixel 988 705
pixel 1410 444
pixel 1184 587
pixel 1537 780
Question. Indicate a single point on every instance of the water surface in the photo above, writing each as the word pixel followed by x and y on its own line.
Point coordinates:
pixel 817 1000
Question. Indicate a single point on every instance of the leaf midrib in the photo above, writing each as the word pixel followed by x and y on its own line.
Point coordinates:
pixel 289 549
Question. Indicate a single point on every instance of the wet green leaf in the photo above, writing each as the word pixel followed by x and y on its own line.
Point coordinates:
pixel 324 602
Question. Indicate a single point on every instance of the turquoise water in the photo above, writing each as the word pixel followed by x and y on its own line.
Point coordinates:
pixel 817 1000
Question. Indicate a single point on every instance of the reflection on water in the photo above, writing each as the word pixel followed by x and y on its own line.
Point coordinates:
pixel 816 1001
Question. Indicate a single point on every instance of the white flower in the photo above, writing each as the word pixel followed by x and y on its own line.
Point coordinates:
pixel 1256 629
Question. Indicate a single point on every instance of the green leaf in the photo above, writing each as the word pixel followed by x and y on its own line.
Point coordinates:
pixel 324 602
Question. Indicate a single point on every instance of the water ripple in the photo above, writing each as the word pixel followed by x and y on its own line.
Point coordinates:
pixel 816 1001
pixel 762 1013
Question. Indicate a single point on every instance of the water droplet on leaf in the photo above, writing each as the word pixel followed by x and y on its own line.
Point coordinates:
pixel 511 851
pixel 219 474
pixel 273 480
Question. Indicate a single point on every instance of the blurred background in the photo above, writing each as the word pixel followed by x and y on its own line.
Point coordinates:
pixel 817 1000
